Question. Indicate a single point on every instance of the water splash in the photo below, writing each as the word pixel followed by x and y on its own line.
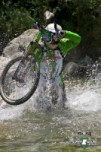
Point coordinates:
pixel 88 99
pixel 81 96
pixel 87 96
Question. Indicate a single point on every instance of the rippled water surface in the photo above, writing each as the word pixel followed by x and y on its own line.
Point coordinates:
pixel 25 128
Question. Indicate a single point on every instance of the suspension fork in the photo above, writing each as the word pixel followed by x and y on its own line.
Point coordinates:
pixel 15 75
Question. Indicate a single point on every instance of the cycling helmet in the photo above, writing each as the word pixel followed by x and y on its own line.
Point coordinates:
pixel 51 28
pixel 57 32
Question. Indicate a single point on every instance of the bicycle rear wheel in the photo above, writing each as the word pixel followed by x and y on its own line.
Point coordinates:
pixel 19 80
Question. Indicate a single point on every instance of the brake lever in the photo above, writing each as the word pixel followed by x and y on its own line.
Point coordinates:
pixel 36 25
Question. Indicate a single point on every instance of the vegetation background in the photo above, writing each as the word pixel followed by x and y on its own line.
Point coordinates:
pixel 81 16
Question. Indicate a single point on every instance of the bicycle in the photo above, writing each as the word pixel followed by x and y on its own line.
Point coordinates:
pixel 20 77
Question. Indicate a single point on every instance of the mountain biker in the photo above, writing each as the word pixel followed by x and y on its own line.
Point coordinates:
pixel 58 43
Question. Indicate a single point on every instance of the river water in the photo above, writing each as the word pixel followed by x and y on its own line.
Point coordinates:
pixel 25 128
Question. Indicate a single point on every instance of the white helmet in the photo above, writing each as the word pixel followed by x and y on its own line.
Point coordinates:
pixel 51 28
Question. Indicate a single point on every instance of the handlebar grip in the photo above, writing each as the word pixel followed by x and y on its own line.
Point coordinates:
pixel 36 25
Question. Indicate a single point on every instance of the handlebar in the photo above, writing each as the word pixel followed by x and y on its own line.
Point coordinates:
pixel 39 27
pixel 36 25
pixel 47 35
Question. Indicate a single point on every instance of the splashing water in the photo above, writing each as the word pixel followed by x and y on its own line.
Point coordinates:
pixel 81 96
pixel 41 100
pixel 28 129
pixel 87 99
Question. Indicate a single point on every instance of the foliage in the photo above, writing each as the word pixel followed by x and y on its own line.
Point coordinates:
pixel 13 21
pixel 82 16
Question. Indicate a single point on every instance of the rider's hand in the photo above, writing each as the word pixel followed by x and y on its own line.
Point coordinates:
pixel 32 42
pixel 61 34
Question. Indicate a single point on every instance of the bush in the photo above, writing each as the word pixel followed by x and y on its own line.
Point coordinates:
pixel 14 21
pixel 82 16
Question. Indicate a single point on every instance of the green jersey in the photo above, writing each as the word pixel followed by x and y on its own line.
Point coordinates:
pixel 69 41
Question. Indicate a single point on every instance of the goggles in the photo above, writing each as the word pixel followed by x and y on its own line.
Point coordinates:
pixel 58 36
pixel 47 36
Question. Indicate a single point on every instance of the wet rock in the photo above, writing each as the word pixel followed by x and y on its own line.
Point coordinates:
pixel 3 62
pixel 70 68
pixel 23 40
pixel 84 65
pixel 81 70
pixel 86 61
pixel 94 51
pixel 74 69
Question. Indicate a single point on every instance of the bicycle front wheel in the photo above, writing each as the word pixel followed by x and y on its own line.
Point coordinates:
pixel 19 80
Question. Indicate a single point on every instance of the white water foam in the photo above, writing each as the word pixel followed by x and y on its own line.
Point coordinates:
pixel 86 99
pixel 11 112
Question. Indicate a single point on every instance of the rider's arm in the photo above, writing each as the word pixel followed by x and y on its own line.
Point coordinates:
pixel 69 41
pixel 37 37
pixel 33 44
pixel 33 47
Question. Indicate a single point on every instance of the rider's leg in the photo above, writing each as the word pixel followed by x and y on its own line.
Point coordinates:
pixel 57 91
pixel 59 82
pixel 60 91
